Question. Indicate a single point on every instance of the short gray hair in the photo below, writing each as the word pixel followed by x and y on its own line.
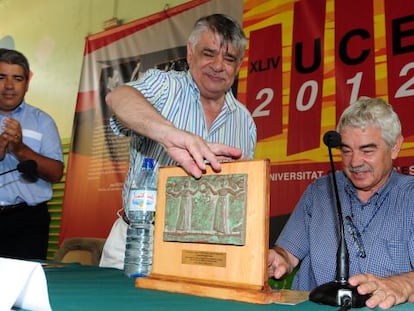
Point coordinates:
pixel 228 29
pixel 368 111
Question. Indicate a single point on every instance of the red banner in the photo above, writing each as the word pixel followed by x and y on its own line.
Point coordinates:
pixel 306 82
pixel 264 81
pixel 399 22
pixel 354 52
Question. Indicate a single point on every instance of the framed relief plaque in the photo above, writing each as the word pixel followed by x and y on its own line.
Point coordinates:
pixel 211 234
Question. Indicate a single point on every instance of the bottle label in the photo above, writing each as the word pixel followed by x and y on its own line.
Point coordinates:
pixel 142 200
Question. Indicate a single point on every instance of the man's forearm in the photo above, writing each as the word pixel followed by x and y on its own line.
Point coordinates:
pixel 136 113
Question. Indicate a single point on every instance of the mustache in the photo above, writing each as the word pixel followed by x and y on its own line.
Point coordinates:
pixel 359 169
pixel 212 72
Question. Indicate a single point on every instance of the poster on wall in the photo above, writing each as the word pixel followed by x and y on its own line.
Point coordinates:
pixel 307 61
pixel 98 160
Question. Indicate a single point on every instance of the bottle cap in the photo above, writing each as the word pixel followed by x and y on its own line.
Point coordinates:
pixel 148 163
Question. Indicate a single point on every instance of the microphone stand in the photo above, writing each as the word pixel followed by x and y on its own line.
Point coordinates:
pixel 4 173
pixel 27 168
pixel 339 292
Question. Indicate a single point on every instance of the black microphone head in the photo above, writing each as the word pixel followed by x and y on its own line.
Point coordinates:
pixel 28 169
pixel 332 139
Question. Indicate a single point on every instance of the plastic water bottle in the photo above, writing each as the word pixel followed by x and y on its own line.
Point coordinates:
pixel 140 212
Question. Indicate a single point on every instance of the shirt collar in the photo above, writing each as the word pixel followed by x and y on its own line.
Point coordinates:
pixel 229 99
pixel 16 110
pixel 380 194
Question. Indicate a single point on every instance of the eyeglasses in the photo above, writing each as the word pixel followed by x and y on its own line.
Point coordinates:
pixel 356 237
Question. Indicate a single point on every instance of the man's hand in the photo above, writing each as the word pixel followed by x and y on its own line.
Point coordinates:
pixel 192 152
pixel 48 169
pixel 3 146
pixel 280 263
pixel 12 133
pixel 386 292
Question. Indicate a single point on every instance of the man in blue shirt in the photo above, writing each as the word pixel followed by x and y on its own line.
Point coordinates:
pixel 186 118
pixel 27 133
pixel 377 207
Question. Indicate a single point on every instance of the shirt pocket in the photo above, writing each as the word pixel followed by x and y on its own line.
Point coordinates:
pixel 390 256
pixel 33 139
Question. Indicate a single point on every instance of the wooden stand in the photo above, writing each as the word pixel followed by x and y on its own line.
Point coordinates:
pixel 233 272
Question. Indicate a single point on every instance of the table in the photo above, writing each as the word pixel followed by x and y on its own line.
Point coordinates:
pixel 77 287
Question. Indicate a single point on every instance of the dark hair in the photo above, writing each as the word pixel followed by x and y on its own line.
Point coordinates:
pixel 228 30
pixel 14 57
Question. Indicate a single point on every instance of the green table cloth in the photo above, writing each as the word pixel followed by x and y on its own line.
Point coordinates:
pixel 77 287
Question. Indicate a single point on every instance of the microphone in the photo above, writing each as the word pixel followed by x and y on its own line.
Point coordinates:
pixel 339 292
pixel 27 168
pixel 332 139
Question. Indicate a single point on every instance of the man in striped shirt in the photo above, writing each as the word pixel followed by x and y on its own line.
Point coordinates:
pixel 185 118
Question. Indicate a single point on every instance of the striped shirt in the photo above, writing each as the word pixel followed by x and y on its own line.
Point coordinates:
pixel 385 224
pixel 176 96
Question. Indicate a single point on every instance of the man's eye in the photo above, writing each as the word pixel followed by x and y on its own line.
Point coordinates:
pixel 368 151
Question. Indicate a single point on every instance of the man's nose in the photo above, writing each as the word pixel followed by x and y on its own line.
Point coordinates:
pixel 357 159
pixel 8 83
pixel 218 62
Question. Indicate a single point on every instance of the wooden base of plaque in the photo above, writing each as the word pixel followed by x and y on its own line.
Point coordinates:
pixel 219 265
pixel 191 287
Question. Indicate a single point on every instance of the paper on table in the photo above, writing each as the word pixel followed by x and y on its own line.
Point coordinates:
pixel 23 285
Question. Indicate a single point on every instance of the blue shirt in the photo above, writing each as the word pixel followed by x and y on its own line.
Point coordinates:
pixel 41 135
pixel 385 223
pixel 176 96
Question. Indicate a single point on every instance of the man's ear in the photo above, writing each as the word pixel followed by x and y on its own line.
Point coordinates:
pixel 189 53
pixel 238 67
pixel 28 80
pixel 395 150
